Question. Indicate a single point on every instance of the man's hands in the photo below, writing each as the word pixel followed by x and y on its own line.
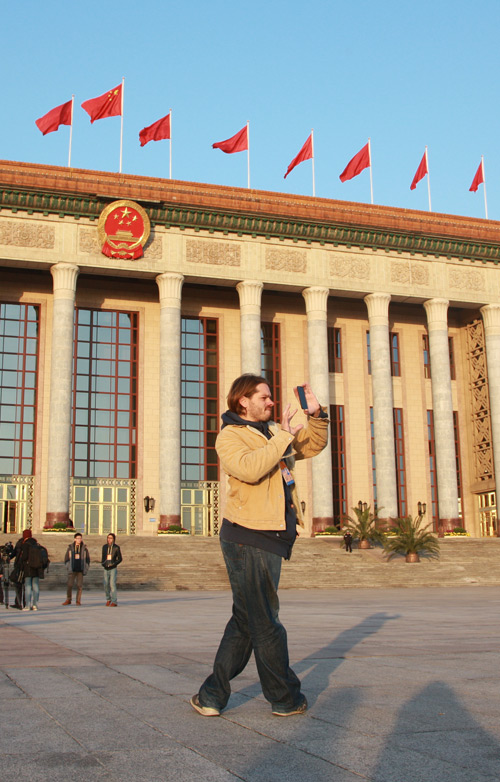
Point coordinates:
pixel 313 406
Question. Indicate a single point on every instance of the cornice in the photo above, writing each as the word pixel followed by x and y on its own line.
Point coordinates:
pixel 49 190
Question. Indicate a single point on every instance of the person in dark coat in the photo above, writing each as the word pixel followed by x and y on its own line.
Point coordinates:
pixel 32 574
pixel 110 559
pixel 348 541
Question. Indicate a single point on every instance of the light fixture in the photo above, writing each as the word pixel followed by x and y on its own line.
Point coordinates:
pixel 149 503
pixel 422 508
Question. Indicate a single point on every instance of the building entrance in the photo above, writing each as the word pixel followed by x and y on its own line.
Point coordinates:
pixel 200 507
pixel 16 496
pixel 488 514
pixel 103 506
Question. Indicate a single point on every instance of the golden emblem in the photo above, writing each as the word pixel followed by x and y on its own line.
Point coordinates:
pixel 123 230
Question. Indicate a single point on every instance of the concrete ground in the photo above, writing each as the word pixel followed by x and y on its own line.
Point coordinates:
pixel 403 686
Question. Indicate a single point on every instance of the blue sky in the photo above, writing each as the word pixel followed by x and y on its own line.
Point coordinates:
pixel 407 74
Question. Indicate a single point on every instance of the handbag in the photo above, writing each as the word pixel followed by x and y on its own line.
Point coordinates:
pixel 17 575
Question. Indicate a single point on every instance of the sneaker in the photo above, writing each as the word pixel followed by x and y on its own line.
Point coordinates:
pixel 112 605
pixel 108 602
pixel 25 608
pixel 205 711
pixel 298 710
pixel 35 608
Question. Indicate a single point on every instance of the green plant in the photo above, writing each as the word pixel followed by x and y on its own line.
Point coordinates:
pixel 459 530
pixel 364 525
pixel 329 531
pixel 411 538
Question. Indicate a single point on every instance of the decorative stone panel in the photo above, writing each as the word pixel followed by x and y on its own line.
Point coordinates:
pixel 467 279
pixel 215 253
pixel 407 273
pixel 285 260
pixel 351 266
pixel 88 242
pixel 21 233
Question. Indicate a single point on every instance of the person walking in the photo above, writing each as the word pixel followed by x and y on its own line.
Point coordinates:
pixel 77 561
pixel 258 531
pixel 348 541
pixel 110 559
pixel 34 559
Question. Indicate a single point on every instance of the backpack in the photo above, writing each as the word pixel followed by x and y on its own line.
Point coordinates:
pixel 38 557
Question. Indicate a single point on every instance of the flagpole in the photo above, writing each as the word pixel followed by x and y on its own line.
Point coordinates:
pixel 248 154
pixel 170 155
pixel 484 188
pixel 312 159
pixel 71 131
pixel 371 175
pixel 121 131
pixel 428 179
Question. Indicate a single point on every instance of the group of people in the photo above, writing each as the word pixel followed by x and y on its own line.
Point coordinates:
pixel 31 560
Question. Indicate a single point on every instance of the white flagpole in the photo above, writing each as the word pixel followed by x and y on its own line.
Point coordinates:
pixel 121 131
pixel 248 154
pixel 428 179
pixel 312 159
pixel 484 188
pixel 170 155
pixel 71 131
pixel 371 175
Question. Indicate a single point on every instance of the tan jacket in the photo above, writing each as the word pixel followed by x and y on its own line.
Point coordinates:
pixel 251 461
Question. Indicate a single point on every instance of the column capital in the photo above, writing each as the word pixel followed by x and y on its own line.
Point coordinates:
pixel 64 276
pixel 491 318
pixel 378 308
pixel 170 287
pixel 316 299
pixel 250 293
pixel 437 313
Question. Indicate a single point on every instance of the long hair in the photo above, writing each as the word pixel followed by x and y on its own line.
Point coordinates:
pixel 245 385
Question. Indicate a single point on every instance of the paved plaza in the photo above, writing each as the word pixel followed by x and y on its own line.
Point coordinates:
pixel 403 686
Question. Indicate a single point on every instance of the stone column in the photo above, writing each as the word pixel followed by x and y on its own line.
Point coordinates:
pixel 442 403
pixel 491 320
pixel 383 404
pixel 170 286
pixel 250 292
pixel 64 277
pixel 316 300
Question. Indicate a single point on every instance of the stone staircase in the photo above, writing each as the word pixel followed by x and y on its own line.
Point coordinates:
pixel 171 562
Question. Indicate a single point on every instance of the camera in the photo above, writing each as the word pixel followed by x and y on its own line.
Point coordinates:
pixel 6 552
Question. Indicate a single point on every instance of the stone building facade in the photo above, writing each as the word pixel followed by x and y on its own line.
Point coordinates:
pixel 114 371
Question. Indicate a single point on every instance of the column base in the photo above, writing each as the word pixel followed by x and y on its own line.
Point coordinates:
pixel 54 518
pixel 320 522
pixel 447 525
pixel 167 520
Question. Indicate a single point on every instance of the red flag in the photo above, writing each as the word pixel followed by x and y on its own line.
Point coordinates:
pixel 107 105
pixel 158 131
pixel 478 179
pixel 61 115
pixel 422 170
pixel 306 153
pixel 236 143
pixel 358 164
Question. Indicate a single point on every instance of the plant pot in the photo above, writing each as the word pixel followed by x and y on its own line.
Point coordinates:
pixel 364 544
pixel 412 557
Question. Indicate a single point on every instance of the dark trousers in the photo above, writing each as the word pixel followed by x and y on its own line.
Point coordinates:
pixel 79 584
pixel 254 575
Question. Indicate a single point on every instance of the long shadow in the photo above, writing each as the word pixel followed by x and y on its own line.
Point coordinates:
pixel 322 663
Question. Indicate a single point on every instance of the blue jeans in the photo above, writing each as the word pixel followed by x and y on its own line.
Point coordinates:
pixel 110 584
pixel 254 576
pixel 31 590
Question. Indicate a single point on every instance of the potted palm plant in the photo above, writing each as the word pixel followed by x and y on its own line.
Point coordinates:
pixel 363 526
pixel 411 539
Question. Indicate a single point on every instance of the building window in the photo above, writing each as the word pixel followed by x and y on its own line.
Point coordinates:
pixel 338 463
pixel 368 352
pixel 19 326
pixel 432 466
pixel 457 457
pixel 104 421
pixel 426 354
pixel 427 360
pixel 271 362
pixel 334 350
pixel 395 361
pixel 199 399
pixel 399 447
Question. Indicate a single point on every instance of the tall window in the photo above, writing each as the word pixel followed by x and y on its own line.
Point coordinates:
pixel 338 463
pixel 199 399
pixel 271 362
pixel 368 352
pixel 399 446
pixel 427 360
pixel 432 466
pixel 104 425
pixel 374 466
pixel 395 360
pixel 18 386
pixel 334 350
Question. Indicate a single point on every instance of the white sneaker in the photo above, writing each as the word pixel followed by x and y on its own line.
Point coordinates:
pixel 34 608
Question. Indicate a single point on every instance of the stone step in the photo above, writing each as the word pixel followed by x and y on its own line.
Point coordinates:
pixel 195 563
